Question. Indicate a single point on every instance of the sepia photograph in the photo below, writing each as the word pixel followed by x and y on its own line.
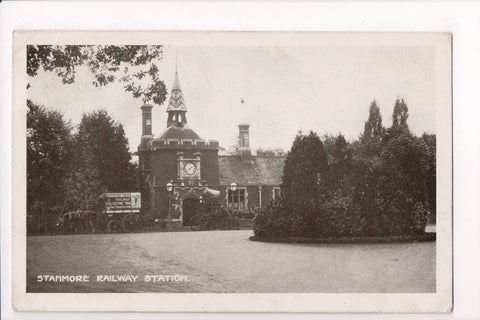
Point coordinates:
pixel 234 163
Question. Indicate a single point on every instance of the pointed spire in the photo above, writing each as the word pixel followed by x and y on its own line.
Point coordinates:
pixel 176 103
pixel 176 106
pixel 176 82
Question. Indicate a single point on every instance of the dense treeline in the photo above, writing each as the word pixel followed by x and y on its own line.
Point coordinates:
pixel 68 169
pixel 383 184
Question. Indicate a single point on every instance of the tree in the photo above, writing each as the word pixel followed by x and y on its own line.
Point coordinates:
pixel 373 132
pixel 406 168
pixel 382 185
pixel 400 116
pixel 48 151
pixel 304 179
pixel 135 66
pixel 83 187
pixel 102 160
pixel 365 179
pixel 431 173
pixel 373 129
pixel 339 155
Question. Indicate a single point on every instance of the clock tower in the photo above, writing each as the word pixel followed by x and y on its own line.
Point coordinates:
pixel 181 159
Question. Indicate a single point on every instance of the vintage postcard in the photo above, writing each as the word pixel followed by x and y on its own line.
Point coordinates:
pixel 232 171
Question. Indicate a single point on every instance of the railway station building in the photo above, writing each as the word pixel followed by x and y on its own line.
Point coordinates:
pixel 179 169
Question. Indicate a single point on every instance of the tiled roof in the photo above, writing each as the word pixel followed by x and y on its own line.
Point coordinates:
pixel 176 102
pixel 250 171
pixel 173 132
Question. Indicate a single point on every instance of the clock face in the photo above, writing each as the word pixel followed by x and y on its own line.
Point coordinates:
pixel 190 168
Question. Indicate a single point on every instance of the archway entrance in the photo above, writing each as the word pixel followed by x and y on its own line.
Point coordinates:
pixel 190 208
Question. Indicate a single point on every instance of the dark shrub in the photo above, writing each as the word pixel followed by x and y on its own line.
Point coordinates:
pixel 339 217
pixel 273 221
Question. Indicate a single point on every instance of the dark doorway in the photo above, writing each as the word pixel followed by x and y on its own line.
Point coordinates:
pixel 190 209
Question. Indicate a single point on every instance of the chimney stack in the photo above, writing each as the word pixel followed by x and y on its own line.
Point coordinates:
pixel 147 120
pixel 146 125
pixel 244 140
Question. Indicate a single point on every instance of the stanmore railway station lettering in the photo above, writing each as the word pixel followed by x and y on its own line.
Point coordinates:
pixel 63 278
pixel 55 278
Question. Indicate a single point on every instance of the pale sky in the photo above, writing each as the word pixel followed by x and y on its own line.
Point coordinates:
pixel 283 89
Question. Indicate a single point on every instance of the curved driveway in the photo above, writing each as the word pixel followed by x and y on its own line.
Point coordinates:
pixel 226 261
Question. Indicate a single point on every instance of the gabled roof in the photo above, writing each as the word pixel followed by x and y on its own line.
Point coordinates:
pixel 173 132
pixel 250 171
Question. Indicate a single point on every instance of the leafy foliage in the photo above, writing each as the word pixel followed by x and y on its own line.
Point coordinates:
pixel 102 161
pixel 133 65
pixel 339 156
pixel 430 178
pixel 304 178
pixel 48 153
pixel 382 185
pixel 373 126
pixel 400 116
pixel 274 221
pixel 67 171
pixel 373 132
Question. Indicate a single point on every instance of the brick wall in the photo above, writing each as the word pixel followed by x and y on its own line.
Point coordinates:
pixel 161 163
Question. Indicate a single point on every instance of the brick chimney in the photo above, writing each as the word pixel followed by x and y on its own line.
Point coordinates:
pixel 146 120
pixel 244 140
pixel 146 124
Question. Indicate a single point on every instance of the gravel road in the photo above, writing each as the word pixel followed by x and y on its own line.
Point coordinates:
pixel 224 261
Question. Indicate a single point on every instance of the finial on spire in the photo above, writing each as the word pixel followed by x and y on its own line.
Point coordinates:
pixel 176 82
pixel 175 60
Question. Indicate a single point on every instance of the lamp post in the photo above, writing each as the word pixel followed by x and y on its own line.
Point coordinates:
pixel 233 187
pixel 260 196
pixel 169 187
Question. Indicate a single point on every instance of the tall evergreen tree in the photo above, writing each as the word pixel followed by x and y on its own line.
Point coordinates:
pixel 373 128
pixel 400 116
pixel 373 132
pixel 304 179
